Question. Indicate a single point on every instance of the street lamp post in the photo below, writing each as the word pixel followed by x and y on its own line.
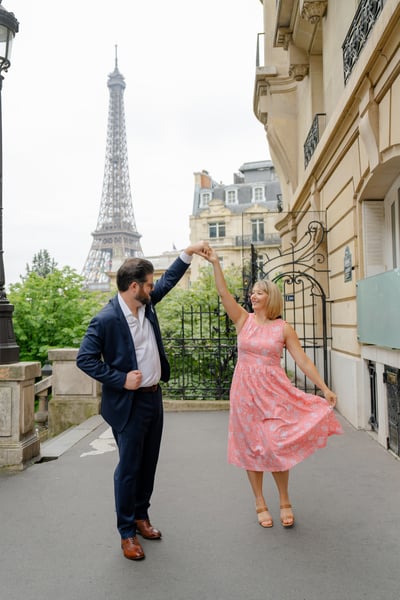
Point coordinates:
pixel 9 350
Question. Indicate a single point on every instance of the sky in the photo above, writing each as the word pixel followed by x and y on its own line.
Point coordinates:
pixel 189 70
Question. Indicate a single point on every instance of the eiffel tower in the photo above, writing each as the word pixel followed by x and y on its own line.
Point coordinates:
pixel 116 236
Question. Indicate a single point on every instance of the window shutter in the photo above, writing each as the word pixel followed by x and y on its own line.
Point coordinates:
pixel 374 227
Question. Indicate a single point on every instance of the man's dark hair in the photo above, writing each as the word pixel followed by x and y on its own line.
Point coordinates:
pixel 133 269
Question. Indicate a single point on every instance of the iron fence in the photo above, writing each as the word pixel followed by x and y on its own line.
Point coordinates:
pixel 202 356
pixel 367 14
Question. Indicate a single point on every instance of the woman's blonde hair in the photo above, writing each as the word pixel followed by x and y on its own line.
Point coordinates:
pixel 275 300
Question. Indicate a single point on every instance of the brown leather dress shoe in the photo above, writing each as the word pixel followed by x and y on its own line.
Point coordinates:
pixel 131 548
pixel 146 530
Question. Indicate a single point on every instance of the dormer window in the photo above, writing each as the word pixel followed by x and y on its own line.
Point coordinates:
pixel 258 194
pixel 205 198
pixel 231 196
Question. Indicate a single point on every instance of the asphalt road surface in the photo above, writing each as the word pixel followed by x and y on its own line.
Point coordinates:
pixel 58 538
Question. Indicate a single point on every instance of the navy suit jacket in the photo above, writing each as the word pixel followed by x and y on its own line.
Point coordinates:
pixel 107 352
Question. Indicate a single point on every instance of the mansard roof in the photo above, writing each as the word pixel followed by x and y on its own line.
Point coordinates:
pixel 249 176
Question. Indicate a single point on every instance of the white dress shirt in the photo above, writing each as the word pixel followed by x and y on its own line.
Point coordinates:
pixel 148 358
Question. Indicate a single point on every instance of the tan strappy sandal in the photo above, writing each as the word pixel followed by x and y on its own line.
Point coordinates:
pixel 290 519
pixel 264 517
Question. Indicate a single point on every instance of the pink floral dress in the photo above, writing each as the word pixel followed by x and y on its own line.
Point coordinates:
pixel 272 425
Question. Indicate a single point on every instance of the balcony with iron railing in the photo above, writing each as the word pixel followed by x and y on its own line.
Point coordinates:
pixel 364 20
pixel 268 239
pixel 313 137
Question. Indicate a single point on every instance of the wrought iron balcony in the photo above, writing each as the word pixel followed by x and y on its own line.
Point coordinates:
pixel 268 239
pixel 365 18
pixel 313 137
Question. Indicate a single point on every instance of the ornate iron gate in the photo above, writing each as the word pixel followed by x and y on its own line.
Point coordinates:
pixel 202 356
pixel 299 272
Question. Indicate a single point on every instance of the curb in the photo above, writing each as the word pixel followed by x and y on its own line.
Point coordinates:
pixel 56 446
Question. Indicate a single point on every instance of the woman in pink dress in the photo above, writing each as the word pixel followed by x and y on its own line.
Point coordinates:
pixel 272 424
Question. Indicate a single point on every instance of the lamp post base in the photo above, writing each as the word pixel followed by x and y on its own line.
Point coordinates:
pixel 9 350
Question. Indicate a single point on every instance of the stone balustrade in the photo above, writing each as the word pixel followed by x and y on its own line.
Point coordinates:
pixel 75 395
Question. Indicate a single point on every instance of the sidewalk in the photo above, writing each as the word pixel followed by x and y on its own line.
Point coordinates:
pixel 58 537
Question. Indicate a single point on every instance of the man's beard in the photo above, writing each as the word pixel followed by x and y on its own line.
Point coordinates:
pixel 140 297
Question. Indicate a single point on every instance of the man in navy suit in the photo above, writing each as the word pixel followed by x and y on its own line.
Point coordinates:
pixel 123 349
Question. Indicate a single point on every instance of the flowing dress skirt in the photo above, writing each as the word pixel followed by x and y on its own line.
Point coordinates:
pixel 272 425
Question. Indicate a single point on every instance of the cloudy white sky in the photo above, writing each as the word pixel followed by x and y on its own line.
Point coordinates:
pixel 189 72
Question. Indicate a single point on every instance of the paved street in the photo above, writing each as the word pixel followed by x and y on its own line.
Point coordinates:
pixel 58 537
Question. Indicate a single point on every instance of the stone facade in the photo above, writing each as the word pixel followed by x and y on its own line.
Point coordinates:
pixel 234 216
pixel 231 217
pixel 334 138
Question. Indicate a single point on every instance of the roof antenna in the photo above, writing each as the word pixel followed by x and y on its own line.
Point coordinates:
pixel 116 56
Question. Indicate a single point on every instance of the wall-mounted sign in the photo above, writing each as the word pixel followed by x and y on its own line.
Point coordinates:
pixel 289 297
pixel 348 266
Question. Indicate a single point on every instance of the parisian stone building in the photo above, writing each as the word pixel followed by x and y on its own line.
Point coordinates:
pixel 233 217
pixel 327 92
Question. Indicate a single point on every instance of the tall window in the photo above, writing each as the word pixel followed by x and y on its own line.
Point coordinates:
pixel 374 237
pixel 258 194
pixel 257 230
pixel 231 196
pixel 216 230
pixel 205 198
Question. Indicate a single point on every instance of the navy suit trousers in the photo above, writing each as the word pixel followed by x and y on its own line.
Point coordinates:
pixel 138 446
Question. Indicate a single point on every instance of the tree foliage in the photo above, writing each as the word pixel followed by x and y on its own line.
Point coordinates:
pixel 51 311
pixel 202 294
pixel 42 264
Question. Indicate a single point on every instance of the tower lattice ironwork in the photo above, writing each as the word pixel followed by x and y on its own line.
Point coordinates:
pixel 116 236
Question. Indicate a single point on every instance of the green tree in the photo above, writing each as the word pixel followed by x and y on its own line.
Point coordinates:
pixel 42 264
pixel 51 312
pixel 202 293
